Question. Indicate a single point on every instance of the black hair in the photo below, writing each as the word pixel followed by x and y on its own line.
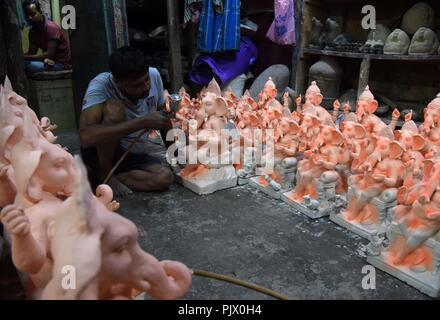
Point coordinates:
pixel 27 3
pixel 128 63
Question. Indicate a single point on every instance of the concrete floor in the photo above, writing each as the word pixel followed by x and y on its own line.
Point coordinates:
pixel 243 233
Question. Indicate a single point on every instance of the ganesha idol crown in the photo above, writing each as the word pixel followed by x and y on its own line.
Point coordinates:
pixel 313 88
pixel 366 95
pixel 270 84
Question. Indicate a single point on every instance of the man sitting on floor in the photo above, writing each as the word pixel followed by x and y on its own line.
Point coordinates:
pixel 117 107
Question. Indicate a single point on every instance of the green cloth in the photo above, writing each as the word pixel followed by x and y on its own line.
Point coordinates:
pixel 190 9
pixel 218 6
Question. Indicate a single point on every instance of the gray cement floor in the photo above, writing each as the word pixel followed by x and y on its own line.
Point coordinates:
pixel 243 233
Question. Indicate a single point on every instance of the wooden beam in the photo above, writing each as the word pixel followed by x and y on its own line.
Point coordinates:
pixel 11 50
pixel 297 48
pixel 174 45
pixel 364 75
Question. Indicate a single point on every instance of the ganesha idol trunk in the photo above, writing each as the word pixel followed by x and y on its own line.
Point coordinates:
pixel 282 179
pixel 374 215
pixel 327 202
pixel 420 269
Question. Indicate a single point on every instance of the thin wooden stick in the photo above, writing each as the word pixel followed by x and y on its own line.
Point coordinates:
pixel 112 171
pixel 241 283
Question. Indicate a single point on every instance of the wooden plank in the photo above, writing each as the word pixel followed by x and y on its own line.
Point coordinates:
pixel 11 50
pixel 356 55
pixel 302 76
pixel 174 44
pixel 299 35
pixel 364 75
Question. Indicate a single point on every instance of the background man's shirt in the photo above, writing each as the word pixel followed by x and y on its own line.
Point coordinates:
pixel 103 88
pixel 52 32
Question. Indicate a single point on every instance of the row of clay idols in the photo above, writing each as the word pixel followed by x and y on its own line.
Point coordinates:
pixel 214 111
pixel 418 22
pixel 378 161
pixel 54 221
pixel 374 159
pixel 424 42
pixel 362 152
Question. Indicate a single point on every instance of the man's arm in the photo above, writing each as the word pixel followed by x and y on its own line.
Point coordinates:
pixel 33 49
pixel 92 132
pixel 49 54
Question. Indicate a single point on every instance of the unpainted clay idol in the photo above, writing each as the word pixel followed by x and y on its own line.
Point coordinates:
pixel 381 33
pixel 397 43
pixel 424 42
pixel 280 75
pixel 420 15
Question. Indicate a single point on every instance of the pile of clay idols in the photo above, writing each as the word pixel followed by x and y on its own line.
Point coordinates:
pixel 381 183
pixel 67 242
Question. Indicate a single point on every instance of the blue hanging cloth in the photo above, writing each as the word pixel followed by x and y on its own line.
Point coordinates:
pixel 219 30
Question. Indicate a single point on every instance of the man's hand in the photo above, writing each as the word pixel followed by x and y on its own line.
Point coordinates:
pixel 15 221
pixel 157 121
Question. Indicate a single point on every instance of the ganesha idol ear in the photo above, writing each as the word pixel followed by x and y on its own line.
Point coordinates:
pixel 374 138
pixel 337 137
pixel 316 122
pixel 76 241
pixel 230 103
pixel 359 131
pixel 222 107
pixel 428 166
pixel 294 127
pixel 418 142
pixel 396 150
pixel 255 121
pixel 372 106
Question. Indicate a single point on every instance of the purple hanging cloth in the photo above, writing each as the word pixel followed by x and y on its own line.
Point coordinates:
pixel 224 66
pixel 282 30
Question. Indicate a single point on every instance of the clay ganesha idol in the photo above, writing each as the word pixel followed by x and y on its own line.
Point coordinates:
pixel 12 110
pixel 43 177
pixel 280 134
pixel 113 266
pixel 431 127
pixel 318 183
pixel 413 253
pixel 373 190
pixel 43 180
pixel 209 146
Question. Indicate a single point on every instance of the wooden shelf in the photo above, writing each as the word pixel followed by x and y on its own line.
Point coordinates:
pixel 354 55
